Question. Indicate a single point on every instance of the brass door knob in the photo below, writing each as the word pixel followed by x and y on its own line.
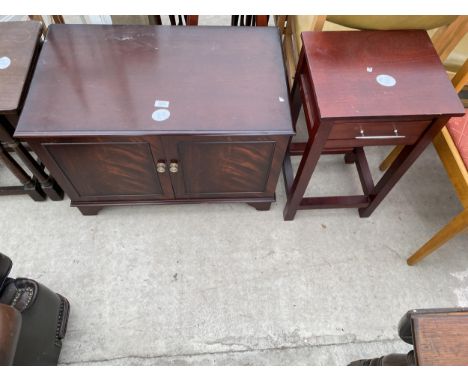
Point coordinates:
pixel 161 167
pixel 174 167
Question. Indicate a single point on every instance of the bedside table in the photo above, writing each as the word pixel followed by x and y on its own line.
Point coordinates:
pixel 160 115
pixel 19 46
pixel 365 88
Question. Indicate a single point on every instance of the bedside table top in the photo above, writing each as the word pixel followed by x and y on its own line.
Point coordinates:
pixel 358 74
pixel 137 79
pixel 18 43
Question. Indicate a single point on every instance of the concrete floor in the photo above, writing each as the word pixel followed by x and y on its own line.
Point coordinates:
pixel 223 284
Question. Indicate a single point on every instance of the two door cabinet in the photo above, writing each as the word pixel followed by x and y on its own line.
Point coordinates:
pixel 128 114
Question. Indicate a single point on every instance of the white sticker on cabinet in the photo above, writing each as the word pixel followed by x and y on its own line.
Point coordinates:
pixel 160 103
pixel 161 115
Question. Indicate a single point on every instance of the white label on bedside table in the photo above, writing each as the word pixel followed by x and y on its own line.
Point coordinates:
pixel 4 62
pixel 385 80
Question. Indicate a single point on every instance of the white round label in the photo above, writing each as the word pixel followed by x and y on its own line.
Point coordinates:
pixel 4 62
pixel 385 80
pixel 161 115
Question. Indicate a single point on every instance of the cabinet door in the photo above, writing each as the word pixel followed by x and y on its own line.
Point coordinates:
pixel 225 167
pixel 100 170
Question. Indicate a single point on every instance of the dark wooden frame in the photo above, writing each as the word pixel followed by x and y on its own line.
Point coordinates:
pixel 303 95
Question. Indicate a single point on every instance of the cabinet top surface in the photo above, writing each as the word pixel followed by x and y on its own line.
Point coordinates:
pixel 18 41
pixel 128 79
pixel 378 74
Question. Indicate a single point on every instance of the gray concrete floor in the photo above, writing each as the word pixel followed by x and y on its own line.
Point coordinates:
pixel 224 284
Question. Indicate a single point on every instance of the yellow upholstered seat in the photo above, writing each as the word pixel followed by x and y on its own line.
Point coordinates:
pixel 389 22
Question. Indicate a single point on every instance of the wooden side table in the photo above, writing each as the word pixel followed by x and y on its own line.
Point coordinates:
pixel 365 88
pixel 19 47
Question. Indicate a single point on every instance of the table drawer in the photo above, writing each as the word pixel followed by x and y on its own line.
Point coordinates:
pixel 376 133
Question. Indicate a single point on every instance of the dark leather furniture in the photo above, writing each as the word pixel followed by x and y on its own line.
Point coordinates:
pixel 33 320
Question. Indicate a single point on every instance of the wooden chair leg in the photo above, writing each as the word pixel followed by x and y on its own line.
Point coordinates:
pixel 319 22
pixel 281 23
pixel 261 20
pixel 289 52
pixel 191 20
pixel 58 19
pixel 445 39
pixel 458 224
pixel 155 19
pixel 453 163
pixel 387 162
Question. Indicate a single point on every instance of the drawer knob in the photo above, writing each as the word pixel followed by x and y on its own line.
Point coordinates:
pixel 174 167
pixel 161 167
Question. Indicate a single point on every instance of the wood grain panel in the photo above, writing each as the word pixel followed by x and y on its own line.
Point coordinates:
pixel 441 339
pixel 108 77
pixel 344 67
pixel 108 169
pixel 235 167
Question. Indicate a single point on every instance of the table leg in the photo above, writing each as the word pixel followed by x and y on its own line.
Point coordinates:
pixel 363 170
pixel 350 157
pixel 48 184
pixel 318 134
pixel 401 164
pixel 30 185
pixel 307 166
